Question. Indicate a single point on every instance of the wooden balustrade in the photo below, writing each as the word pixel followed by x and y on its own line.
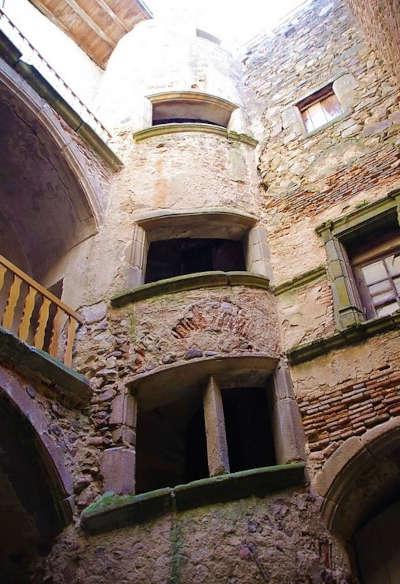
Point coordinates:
pixel 35 314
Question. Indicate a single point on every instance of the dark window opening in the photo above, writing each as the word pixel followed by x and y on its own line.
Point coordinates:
pixel 375 263
pixel 171 445
pixel 319 108
pixel 248 428
pixel 183 121
pixel 177 257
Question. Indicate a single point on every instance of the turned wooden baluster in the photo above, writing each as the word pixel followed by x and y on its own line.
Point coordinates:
pixel 55 334
pixel 13 296
pixel 41 328
pixel 71 331
pixel 29 306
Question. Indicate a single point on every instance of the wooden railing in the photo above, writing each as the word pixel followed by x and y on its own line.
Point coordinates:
pixel 35 314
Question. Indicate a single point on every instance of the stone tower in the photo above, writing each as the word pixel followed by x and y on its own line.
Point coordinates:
pixel 200 288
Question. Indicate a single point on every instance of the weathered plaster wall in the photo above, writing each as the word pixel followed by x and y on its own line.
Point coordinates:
pixel 176 60
pixel 277 539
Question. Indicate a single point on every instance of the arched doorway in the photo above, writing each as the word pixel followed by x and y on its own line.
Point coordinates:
pixel 30 515
pixel 361 489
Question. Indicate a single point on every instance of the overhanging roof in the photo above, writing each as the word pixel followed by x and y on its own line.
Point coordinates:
pixel 95 25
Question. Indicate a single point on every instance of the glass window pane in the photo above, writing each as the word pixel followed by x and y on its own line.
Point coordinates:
pixel 388 309
pixel 331 106
pixel 374 272
pixel 384 286
pixel 383 298
pixel 393 264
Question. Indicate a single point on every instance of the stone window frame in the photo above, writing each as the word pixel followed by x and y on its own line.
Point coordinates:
pixel 119 462
pixel 343 86
pixel 348 306
pixel 213 108
pixel 211 222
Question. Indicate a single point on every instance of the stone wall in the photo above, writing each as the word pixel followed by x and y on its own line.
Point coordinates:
pixel 306 180
pixel 380 20
pixel 277 539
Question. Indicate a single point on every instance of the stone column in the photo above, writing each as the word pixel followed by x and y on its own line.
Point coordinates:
pixel 137 260
pixel 118 463
pixel 258 259
pixel 217 447
pixel 288 429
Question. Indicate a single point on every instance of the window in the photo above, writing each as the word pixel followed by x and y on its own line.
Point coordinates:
pixel 177 257
pixel 190 107
pixel 182 440
pixel 319 108
pixel 363 250
pixel 376 269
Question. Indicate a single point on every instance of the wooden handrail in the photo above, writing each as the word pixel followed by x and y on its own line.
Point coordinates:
pixel 51 313
pixel 39 288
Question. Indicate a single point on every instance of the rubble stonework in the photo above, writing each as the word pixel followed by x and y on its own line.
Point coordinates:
pixel 267 182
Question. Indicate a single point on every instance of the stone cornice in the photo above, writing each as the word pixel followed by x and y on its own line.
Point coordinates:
pixel 299 281
pixel 162 129
pixel 190 282
pixel 361 214
pixel 115 511
pixel 349 336
pixel 192 96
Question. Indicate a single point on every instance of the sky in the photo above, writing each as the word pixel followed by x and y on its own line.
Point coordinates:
pixel 234 22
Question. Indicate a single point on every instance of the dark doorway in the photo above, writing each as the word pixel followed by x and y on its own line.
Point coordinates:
pixel 377 548
pixel 177 257
pixel 171 445
pixel 248 428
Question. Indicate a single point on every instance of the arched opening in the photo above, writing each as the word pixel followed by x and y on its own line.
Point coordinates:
pixel 29 515
pixel 362 502
pixel 45 207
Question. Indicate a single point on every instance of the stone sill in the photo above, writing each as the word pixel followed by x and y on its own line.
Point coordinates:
pixel 190 282
pixel 115 511
pixel 329 124
pixel 163 129
pixel 352 335
pixel 39 365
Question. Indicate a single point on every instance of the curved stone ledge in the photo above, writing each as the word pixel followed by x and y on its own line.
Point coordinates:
pixel 39 365
pixel 162 129
pixel 190 282
pixel 115 511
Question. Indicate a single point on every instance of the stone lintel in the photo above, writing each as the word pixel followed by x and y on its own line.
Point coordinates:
pixel 217 447
pixel 166 383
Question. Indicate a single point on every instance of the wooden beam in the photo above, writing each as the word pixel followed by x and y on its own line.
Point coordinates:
pixel 89 22
pixel 112 15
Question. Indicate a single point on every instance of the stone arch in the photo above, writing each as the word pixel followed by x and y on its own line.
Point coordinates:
pixel 361 478
pixel 21 396
pixel 47 169
pixel 35 485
